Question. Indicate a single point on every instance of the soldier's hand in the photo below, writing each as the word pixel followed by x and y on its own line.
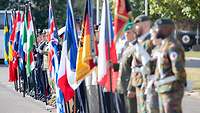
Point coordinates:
pixel 131 94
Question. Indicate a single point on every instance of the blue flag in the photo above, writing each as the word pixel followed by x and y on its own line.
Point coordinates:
pixel 6 38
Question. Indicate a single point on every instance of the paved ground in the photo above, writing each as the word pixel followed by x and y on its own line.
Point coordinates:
pixel 191 104
pixel 13 102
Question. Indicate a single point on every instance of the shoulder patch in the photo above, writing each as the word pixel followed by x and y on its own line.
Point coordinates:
pixel 173 56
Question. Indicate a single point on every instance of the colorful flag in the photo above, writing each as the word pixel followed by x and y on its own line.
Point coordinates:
pixel 122 12
pixel 53 60
pixel 6 38
pixel 12 65
pixel 30 42
pixel 67 69
pixel 20 46
pixel 24 38
pixel 16 40
pixel 53 45
pixel 107 53
pixel 17 35
pixel 86 50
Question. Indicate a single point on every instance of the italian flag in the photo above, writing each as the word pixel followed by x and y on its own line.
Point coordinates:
pixel 30 41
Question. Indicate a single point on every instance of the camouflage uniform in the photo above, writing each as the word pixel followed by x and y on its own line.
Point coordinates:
pixel 140 70
pixel 140 63
pixel 152 100
pixel 124 77
pixel 171 76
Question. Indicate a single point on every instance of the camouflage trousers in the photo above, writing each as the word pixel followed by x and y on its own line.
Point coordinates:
pixel 152 102
pixel 170 102
pixel 131 104
pixel 141 100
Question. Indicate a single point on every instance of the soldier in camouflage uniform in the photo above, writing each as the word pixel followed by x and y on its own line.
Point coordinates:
pixel 152 100
pixel 140 63
pixel 171 75
pixel 125 71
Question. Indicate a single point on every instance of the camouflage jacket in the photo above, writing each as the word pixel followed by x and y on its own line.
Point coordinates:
pixel 170 66
pixel 125 69
pixel 141 77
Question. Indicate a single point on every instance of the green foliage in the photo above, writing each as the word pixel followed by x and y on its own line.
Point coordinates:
pixel 4 4
pixel 78 8
pixel 175 9
pixel 40 13
pixel 137 7
pixel 59 8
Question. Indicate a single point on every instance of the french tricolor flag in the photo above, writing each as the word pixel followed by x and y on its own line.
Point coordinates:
pixel 67 70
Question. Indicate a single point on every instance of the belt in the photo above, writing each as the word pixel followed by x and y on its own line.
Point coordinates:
pixel 135 69
pixel 166 80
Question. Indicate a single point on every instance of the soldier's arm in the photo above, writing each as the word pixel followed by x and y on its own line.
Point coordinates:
pixel 130 85
pixel 177 59
pixel 145 59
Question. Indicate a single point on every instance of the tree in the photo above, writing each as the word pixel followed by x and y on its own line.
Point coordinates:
pixel 59 8
pixel 175 9
pixel 4 4
pixel 40 13
pixel 137 7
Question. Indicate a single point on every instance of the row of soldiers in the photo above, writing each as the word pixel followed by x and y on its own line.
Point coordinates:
pixel 152 75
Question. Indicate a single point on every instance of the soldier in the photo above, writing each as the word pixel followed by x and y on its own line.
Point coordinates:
pixel 171 75
pixel 125 71
pixel 140 63
pixel 152 101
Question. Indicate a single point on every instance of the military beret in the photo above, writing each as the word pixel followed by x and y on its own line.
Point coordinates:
pixel 128 26
pixel 163 21
pixel 141 18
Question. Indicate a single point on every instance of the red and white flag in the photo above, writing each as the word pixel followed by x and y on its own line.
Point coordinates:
pixel 107 52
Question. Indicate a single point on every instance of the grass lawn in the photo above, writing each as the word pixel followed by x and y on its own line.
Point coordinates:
pixel 193 74
pixel 193 54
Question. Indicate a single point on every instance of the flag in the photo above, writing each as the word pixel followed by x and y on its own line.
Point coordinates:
pixel 23 47
pixel 20 46
pixel 30 42
pixel 12 64
pixel 53 45
pixel 53 59
pixel 17 31
pixel 67 68
pixel 16 40
pixel 6 38
pixel 86 50
pixel 122 12
pixel 106 51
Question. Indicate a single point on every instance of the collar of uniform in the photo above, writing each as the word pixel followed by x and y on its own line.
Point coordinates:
pixel 143 37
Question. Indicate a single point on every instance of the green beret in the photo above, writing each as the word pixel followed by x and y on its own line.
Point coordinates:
pixel 141 18
pixel 163 21
pixel 128 26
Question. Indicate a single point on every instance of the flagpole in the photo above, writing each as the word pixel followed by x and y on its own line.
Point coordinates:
pixel 75 102
pixel 24 68
pixel 68 107
pixel 97 13
pixel 18 81
pixel 86 99
pixel 110 63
